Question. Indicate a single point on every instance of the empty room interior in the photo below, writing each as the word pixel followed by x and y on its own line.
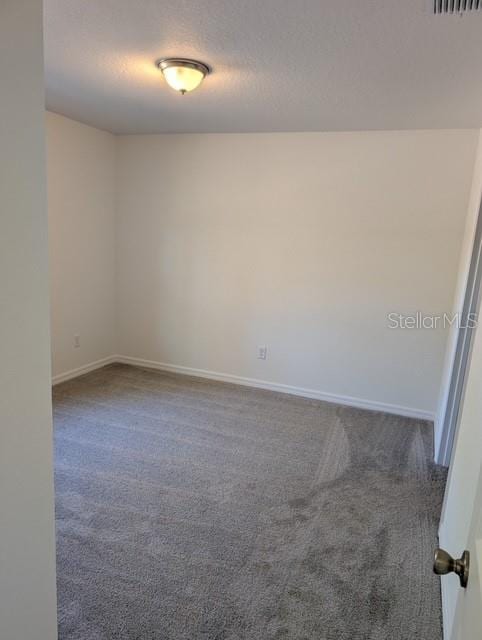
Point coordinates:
pixel 241 372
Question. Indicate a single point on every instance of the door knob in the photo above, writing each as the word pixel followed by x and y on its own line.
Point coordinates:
pixel 444 563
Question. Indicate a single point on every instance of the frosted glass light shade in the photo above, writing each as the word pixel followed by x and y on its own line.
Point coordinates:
pixel 183 75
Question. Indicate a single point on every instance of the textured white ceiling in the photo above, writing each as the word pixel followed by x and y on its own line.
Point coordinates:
pixel 278 65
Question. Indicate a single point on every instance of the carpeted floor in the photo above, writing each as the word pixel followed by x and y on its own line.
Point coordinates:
pixel 197 510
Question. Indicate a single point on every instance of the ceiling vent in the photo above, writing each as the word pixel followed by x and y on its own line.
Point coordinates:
pixel 456 6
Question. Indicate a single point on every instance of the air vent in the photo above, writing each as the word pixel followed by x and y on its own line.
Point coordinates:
pixel 456 6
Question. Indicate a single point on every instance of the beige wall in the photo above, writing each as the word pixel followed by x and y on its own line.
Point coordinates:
pixel 27 564
pixel 81 169
pixel 301 242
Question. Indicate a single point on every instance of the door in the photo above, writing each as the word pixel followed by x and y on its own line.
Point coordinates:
pixel 461 525
pixel 468 618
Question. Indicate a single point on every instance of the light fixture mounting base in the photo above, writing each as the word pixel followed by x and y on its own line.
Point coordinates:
pixel 165 63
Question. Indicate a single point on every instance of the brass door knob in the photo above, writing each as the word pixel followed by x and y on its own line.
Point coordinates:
pixel 444 563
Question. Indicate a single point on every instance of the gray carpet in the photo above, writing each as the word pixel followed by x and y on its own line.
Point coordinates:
pixel 197 510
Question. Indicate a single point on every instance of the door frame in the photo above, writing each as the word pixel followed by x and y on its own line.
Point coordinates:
pixel 463 348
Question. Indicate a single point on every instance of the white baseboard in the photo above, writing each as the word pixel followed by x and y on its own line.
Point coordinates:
pixel 80 371
pixel 349 401
pixel 283 388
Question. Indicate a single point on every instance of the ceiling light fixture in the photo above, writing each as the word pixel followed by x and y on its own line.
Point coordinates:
pixel 183 75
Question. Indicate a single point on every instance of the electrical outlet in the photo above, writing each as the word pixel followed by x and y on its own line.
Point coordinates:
pixel 262 352
pixel 76 341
